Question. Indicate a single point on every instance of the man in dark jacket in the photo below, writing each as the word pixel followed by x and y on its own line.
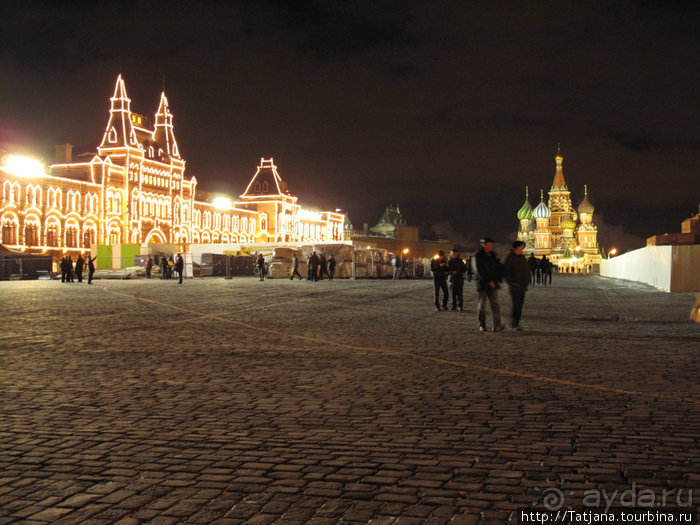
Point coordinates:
pixel 489 273
pixel 534 266
pixel 331 267
pixel 516 271
pixel 314 262
pixel 79 263
pixel 179 266
pixel 545 268
pixel 456 268
pixel 439 268
pixel 91 267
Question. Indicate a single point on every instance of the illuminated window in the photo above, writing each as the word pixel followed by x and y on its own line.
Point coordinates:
pixel 89 235
pixel 112 136
pixel 263 221
pixel 71 234
pixel 10 227
pixel 31 231
pixel 52 232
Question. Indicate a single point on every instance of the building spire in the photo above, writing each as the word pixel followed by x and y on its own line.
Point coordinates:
pixel 119 132
pixel 164 134
pixel 559 182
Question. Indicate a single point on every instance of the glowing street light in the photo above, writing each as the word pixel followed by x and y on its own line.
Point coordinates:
pixel 222 203
pixel 405 251
pixel 23 166
pixel 612 252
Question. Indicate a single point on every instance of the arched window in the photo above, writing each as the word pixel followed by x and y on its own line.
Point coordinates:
pixel 54 198
pixel 263 221
pixel 10 229
pixel 89 234
pixel 31 231
pixel 265 187
pixel 52 231
pixel 71 233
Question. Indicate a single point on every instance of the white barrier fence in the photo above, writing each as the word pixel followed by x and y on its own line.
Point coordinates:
pixel 670 268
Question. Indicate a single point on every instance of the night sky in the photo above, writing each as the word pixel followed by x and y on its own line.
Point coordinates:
pixel 448 108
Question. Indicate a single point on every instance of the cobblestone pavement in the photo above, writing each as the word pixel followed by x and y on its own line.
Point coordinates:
pixel 235 401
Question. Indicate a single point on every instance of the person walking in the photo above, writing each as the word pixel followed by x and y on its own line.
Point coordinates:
pixel 439 268
pixel 313 267
pixel 170 266
pixel 62 265
pixel 470 269
pixel 488 270
pixel 396 263
pixel 331 267
pixel 91 267
pixel 322 266
pixel 179 267
pixel 518 274
pixel 79 264
pixel 260 266
pixel 163 267
pixel 534 265
pixel 295 268
pixel 149 267
pixel 69 269
pixel 456 269
pixel 545 269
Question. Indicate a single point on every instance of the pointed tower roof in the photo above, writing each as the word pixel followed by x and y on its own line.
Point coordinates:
pixel 586 206
pixel 266 182
pixel 525 213
pixel 163 134
pixel 559 182
pixel 119 132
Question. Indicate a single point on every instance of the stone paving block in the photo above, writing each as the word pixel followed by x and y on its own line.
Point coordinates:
pixel 358 405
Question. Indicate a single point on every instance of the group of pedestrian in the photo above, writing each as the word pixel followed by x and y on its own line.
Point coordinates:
pixel 489 271
pixel 450 271
pixel 540 270
pixel 515 269
pixel 399 266
pixel 68 269
pixel 317 267
pixel 169 267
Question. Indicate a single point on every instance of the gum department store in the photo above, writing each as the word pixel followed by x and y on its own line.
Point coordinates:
pixel 134 190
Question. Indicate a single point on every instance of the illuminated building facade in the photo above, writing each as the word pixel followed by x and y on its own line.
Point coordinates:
pixel 568 237
pixel 134 191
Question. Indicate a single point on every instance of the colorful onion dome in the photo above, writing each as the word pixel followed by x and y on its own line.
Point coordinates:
pixel 525 213
pixel 568 223
pixel 586 206
pixel 541 212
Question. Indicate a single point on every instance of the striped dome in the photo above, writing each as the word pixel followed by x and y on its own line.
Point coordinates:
pixel 541 212
pixel 525 213
pixel 585 206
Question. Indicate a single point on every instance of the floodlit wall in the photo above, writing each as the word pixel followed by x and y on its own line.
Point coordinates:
pixel 670 268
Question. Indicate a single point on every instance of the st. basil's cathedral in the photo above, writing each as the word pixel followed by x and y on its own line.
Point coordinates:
pixel 567 236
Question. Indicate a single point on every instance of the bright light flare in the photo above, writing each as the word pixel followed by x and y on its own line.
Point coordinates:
pixel 222 203
pixel 405 251
pixel 613 251
pixel 23 166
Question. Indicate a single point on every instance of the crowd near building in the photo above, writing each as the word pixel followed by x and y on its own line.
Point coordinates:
pixel 134 190
pixel 566 236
